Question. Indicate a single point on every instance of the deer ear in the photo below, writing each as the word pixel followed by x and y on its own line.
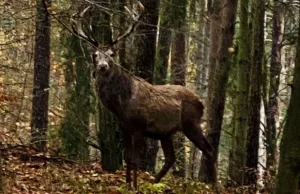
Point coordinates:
pixel 110 52
pixel 90 49
pixel 115 48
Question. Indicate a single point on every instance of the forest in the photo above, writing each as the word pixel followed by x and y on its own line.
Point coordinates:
pixel 150 96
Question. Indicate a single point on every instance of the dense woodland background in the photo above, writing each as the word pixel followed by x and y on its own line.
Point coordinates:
pixel 241 57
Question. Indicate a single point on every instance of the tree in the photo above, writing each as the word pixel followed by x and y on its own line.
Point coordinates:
pixel 75 126
pixel 109 131
pixel 237 156
pixel 178 71
pixel 164 42
pixel 218 77
pixel 272 112
pixel 288 172
pixel 201 59
pixel 39 120
pixel 144 60
pixel 74 129
pixel 253 123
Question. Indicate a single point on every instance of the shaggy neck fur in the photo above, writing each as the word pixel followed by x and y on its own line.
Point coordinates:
pixel 115 89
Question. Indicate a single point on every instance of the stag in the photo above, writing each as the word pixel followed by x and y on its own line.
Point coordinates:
pixel 142 109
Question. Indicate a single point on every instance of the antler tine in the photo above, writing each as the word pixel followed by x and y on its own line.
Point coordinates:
pixel 78 28
pixel 134 14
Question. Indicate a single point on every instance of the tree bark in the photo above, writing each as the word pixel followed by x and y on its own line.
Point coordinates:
pixel 145 59
pixel 146 41
pixel 74 130
pixel 39 120
pixel 237 159
pixel 289 165
pixel 164 43
pixel 201 81
pixel 257 54
pixel 178 69
pixel 217 87
pixel 272 112
pixel 109 131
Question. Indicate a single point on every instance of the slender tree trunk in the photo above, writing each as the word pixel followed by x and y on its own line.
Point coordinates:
pixel 122 44
pixel 214 12
pixel 74 129
pixel 178 69
pixel 257 54
pixel 272 112
pixel 237 159
pixel 217 91
pixel 146 42
pixel 39 120
pixel 201 70
pixel 164 43
pixel 201 74
pixel 289 165
pixel 145 59
pixel 109 130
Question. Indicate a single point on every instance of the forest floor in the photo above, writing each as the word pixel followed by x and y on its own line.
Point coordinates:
pixel 26 171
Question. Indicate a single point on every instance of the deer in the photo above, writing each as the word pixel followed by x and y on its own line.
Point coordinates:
pixel 142 109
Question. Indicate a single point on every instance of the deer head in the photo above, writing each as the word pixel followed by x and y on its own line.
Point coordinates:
pixel 102 54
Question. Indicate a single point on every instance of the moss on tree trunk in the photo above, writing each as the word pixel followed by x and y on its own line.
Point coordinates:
pixel 218 83
pixel 237 159
pixel 289 165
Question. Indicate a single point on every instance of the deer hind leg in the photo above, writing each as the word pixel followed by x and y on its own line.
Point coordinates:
pixel 194 134
pixel 169 153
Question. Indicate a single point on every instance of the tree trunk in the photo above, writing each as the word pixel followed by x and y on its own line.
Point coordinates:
pixel 109 130
pixel 145 59
pixel 146 42
pixel 289 165
pixel 237 159
pixel 74 130
pixel 201 77
pixel 272 112
pixel 257 54
pixel 164 43
pixel 214 12
pixel 39 120
pixel 217 85
pixel 178 69
pixel 122 45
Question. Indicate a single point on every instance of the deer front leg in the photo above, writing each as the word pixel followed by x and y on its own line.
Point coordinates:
pixel 138 140
pixel 128 157
pixel 169 153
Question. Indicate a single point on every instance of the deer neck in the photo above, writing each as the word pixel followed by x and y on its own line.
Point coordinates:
pixel 115 89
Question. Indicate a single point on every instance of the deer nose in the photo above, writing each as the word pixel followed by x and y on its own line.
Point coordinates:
pixel 103 67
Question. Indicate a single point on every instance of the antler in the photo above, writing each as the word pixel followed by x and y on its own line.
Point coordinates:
pixel 134 14
pixel 78 28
